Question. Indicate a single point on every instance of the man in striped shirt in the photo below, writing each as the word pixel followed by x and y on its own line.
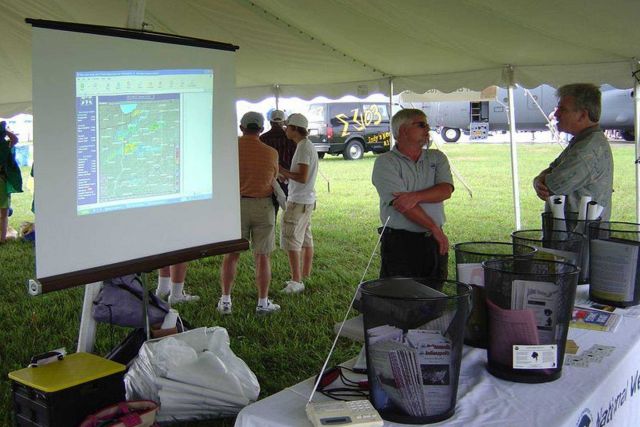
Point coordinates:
pixel 258 168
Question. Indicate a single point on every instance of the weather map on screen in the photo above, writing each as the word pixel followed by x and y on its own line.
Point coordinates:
pixel 144 138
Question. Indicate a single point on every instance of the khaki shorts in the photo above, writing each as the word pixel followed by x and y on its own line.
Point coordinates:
pixel 296 227
pixel 258 224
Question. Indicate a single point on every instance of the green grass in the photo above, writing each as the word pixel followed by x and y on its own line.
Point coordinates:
pixel 285 348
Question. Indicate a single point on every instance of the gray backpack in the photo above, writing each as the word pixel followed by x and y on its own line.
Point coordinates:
pixel 119 302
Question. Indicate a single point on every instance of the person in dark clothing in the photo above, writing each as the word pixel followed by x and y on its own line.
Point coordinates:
pixel 10 176
pixel 277 138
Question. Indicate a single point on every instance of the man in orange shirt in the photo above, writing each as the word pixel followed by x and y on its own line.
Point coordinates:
pixel 258 168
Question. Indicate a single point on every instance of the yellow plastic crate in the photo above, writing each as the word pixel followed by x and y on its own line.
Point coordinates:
pixel 63 393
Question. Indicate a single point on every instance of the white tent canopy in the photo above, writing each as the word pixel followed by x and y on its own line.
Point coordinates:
pixel 307 48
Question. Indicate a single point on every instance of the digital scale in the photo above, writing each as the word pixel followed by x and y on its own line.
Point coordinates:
pixel 358 413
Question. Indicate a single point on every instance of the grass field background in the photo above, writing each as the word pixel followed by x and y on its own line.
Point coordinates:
pixel 287 347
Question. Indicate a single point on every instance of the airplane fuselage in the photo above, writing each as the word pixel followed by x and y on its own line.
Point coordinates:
pixel 532 110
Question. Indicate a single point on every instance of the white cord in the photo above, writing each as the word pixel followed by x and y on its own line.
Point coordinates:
pixel 333 346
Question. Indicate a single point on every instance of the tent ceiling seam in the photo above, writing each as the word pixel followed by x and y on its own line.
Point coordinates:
pixel 279 21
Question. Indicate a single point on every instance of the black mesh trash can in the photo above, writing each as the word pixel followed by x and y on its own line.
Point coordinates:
pixel 573 224
pixel 615 263
pixel 529 305
pixel 414 333
pixel 469 258
pixel 553 245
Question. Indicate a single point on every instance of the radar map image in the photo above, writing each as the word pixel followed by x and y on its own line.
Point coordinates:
pixel 139 151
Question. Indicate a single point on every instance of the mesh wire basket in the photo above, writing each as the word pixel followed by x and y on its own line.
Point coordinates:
pixel 529 302
pixel 469 258
pixel 414 332
pixel 614 263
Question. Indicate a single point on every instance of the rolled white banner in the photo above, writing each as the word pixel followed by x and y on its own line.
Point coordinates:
pixel 582 211
pixel 557 210
pixel 594 210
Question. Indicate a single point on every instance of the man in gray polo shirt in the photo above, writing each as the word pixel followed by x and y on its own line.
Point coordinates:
pixel 585 167
pixel 412 183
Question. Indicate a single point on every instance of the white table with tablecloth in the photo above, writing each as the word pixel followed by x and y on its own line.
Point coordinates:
pixel 606 393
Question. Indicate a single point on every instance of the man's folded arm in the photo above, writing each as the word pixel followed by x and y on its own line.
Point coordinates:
pixel 404 201
pixel 420 217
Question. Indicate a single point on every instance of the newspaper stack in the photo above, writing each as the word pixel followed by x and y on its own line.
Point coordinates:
pixel 413 371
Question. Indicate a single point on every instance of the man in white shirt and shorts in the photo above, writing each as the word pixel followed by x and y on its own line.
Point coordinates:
pixel 296 237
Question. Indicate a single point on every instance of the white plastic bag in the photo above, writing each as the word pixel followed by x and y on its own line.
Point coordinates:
pixel 193 369
pixel 280 196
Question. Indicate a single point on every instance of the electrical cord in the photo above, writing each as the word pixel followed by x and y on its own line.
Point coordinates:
pixel 349 388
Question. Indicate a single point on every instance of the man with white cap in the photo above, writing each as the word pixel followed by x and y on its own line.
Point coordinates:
pixel 277 138
pixel 296 236
pixel 258 167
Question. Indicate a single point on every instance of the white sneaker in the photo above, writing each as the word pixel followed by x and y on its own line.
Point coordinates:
pixel 183 297
pixel 293 287
pixel 224 307
pixel 268 309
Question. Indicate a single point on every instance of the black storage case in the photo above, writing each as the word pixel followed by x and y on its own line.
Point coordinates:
pixel 39 401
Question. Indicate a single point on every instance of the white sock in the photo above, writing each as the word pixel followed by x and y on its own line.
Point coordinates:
pixel 226 298
pixel 177 288
pixel 263 302
pixel 164 284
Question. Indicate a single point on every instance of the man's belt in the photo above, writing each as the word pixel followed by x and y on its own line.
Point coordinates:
pixel 399 232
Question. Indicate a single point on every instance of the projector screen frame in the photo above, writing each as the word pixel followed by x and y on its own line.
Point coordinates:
pixel 155 261
pixel 140 265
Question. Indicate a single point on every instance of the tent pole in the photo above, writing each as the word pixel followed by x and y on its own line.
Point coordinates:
pixel 514 153
pixel 391 140
pixel 636 126
pixel 276 94
pixel 135 19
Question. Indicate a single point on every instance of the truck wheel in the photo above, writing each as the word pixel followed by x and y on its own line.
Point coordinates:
pixel 628 135
pixel 353 151
pixel 321 155
pixel 450 134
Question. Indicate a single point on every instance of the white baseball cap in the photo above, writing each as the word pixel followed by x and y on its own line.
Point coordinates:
pixel 252 120
pixel 277 116
pixel 297 119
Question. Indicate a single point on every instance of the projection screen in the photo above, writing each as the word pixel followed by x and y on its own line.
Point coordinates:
pixel 135 151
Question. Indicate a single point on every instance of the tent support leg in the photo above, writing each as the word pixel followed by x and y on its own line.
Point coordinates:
pixel 514 154
pixel 636 126
pixel 391 140
pixel 276 95
pixel 87 334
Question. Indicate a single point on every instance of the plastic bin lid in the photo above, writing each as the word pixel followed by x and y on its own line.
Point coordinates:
pixel 74 369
